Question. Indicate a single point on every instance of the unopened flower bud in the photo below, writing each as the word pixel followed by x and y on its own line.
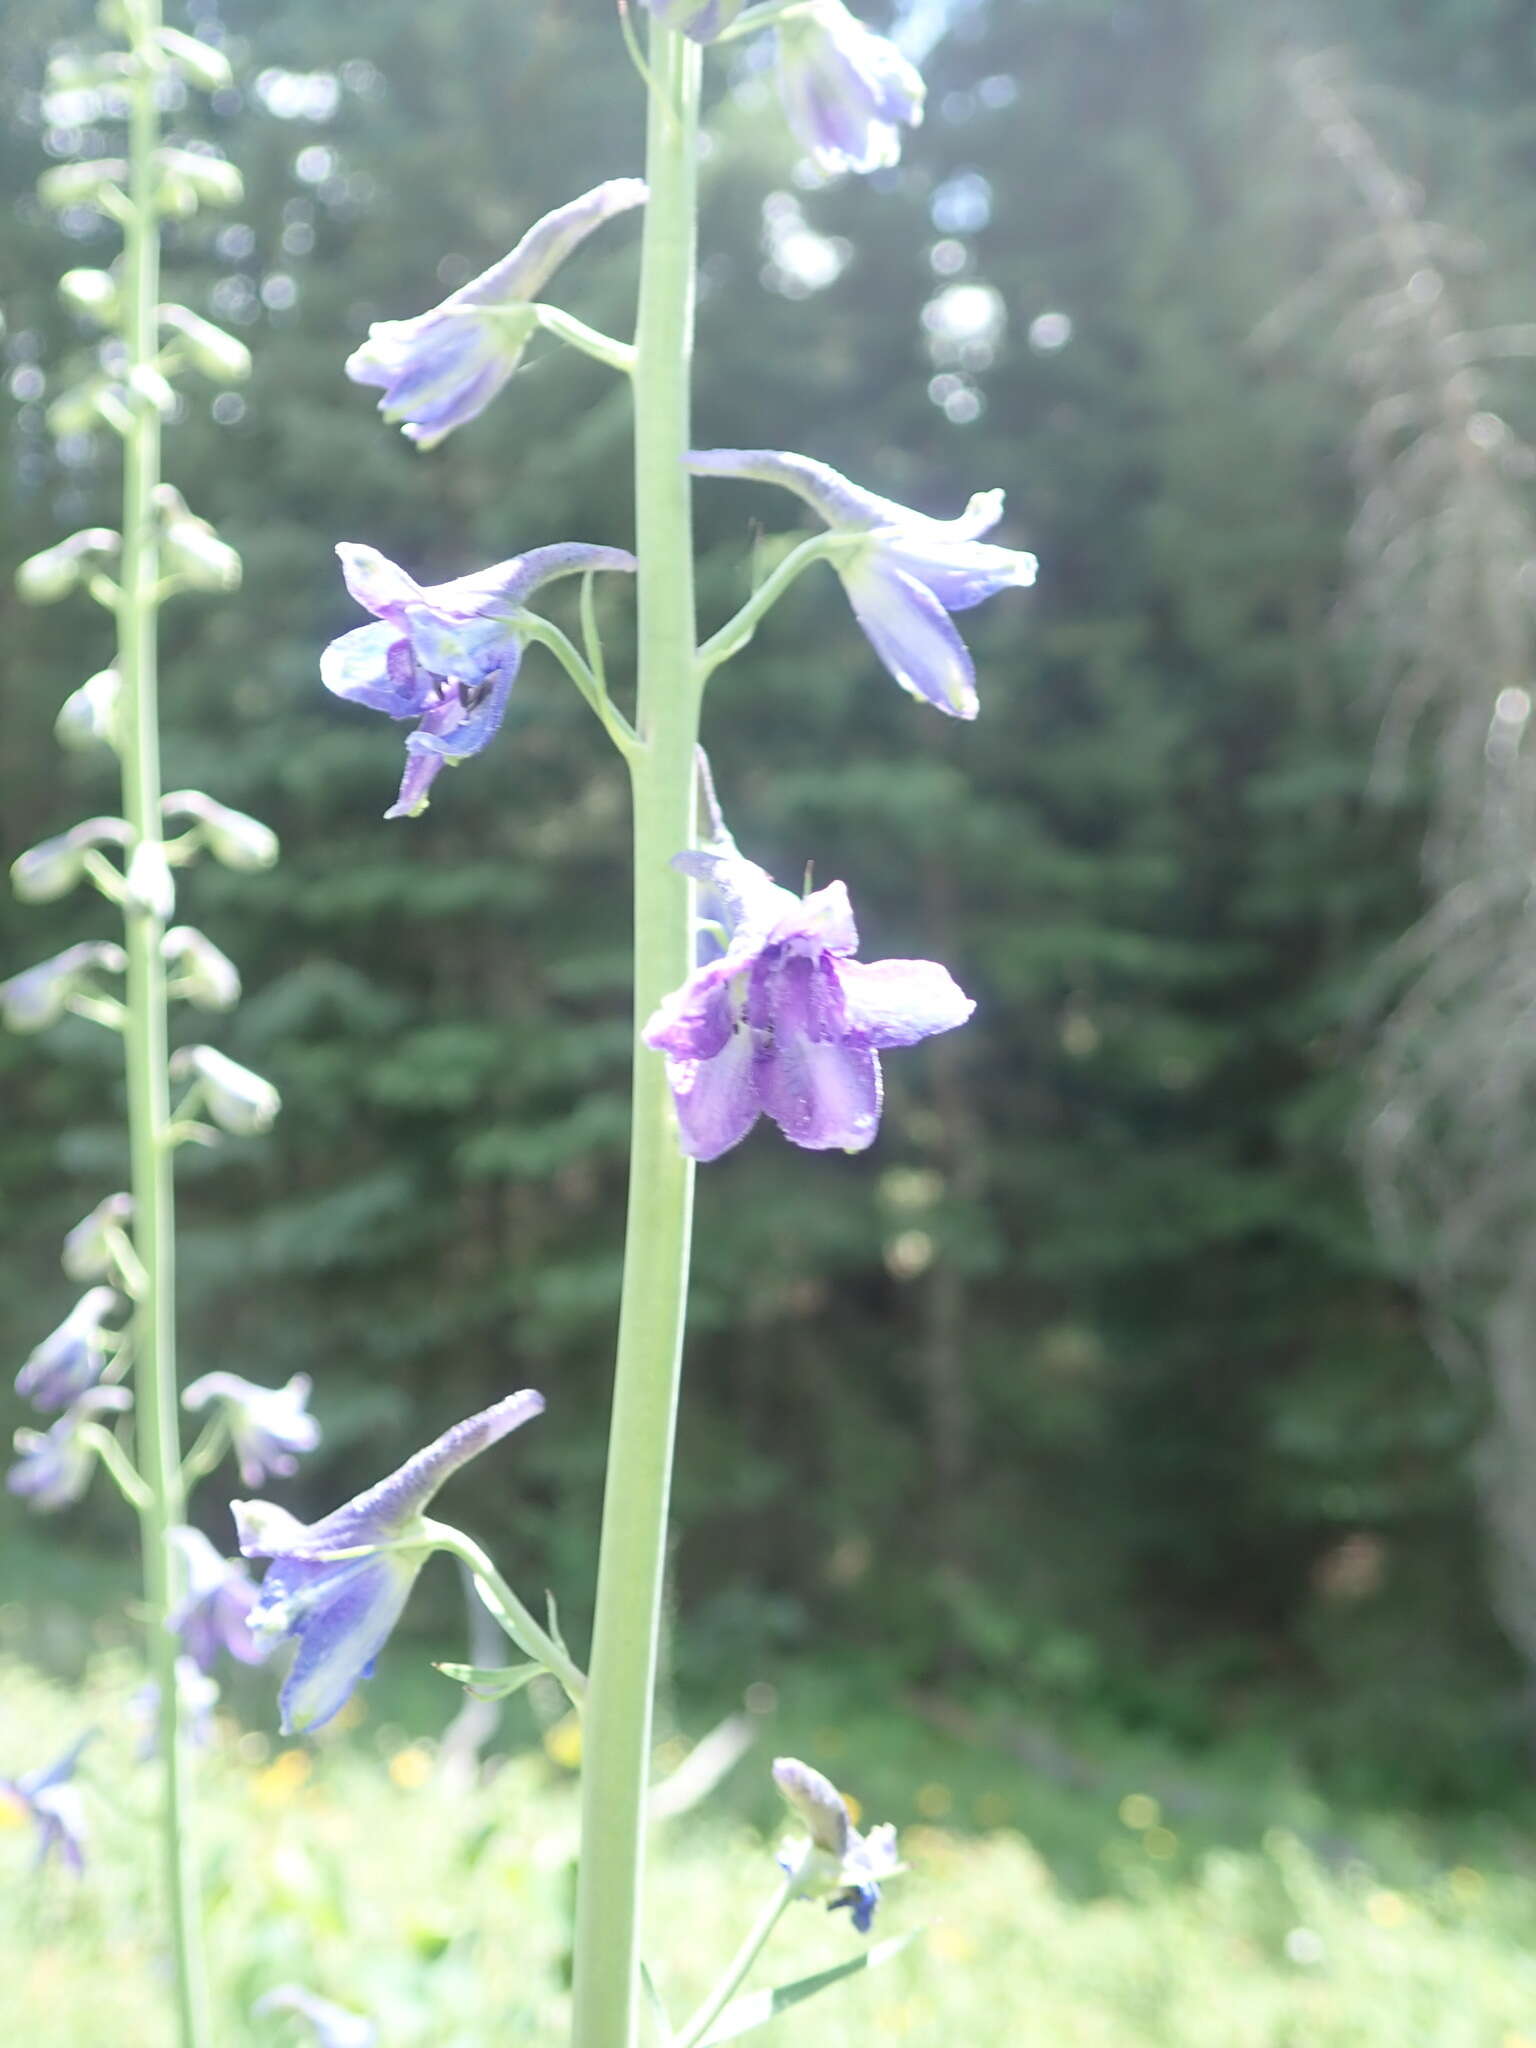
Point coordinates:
pixel 237 1100
pixel 88 716
pixel 215 353
pixel 51 869
pixel 198 62
pixel 193 549
pixel 211 180
pixel 93 292
pixel 45 577
pixel 85 71
pixel 87 1252
pixel 39 996
pixel 150 888
pixel 205 975
pixel 152 384
pixel 79 409
pixel 234 839
pixel 83 184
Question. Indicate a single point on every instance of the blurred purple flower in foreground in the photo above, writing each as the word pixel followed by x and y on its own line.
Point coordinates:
pixel 444 653
pixel 338 1586
pixel 70 1358
pixel 701 19
pixel 445 366
pixel 334 2026
pixel 270 1427
pixel 839 1859
pixel 847 92
pixel 53 1803
pixel 782 1019
pixel 213 1610
pixel 53 1466
pixel 910 573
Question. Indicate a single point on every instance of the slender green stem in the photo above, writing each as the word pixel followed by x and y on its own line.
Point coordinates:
pixel 618 355
pixel 207 1453
pixel 614 723
pixel 118 1465
pixel 737 632
pixel 145 1055
pixel 509 1611
pixel 736 1971
pixel 616 1737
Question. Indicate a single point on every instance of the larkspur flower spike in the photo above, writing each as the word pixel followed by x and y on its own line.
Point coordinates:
pixel 270 1427
pixel 782 1019
pixel 904 572
pixel 339 1585
pixel 847 92
pixel 446 654
pixel 444 367
pixel 838 1860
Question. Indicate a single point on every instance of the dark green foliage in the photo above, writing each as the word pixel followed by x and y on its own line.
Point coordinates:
pixel 1081 1378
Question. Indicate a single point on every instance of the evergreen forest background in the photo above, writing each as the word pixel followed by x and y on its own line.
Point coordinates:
pixel 1089 1396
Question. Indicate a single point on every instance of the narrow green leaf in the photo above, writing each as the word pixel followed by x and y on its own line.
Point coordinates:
pixel 661 2025
pixel 743 2015
pixel 490 1682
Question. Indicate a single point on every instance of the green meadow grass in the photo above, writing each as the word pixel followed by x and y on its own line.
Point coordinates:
pixel 354 1868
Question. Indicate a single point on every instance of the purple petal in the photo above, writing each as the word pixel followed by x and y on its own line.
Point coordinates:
pixel 348 1613
pixel 823 920
pixel 716 1100
pixel 414 793
pixel 959 574
pixel 524 273
pixel 695 1021
pixel 826 490
pixel 910 631
pixel 378 584
pixel 898 1002
pixel 822 1095
pixel 372 665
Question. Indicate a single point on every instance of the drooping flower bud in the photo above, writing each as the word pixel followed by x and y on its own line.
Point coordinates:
pixel 87 1253
pixel 190 178
pixel 88 716
pixel 53 867
pixel 46 577
pixel 39 996
pixel 193 549
pixel 233 838
pixel 92 292
pixel 82 184
pixel 53 1467
pixel 238 1101
pixel 216 354
pixel 206 976
pixel 198 62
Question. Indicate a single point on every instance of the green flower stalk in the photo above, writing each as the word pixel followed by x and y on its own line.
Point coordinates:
pixel 129 1239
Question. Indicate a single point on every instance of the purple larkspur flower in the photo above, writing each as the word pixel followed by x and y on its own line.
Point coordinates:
pixel 444 367
pixel 847 92
pixel 781 1019
pixel 909 573
pixel 334 2026
pixel 212 1611
pixel 52 1801
pixel 53 1467
pixel 270 1427
pixel 446 654
pixel 701 19
pixel 838 1860
pixel 70 1358
pixel 339 1585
